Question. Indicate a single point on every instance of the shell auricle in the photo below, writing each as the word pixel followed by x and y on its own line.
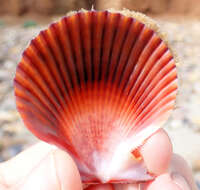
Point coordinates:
pixel 98 84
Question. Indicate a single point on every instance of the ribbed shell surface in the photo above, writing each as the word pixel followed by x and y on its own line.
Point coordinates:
pixel 94 84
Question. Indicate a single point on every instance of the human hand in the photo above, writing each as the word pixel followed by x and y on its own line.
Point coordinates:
pixel 44 167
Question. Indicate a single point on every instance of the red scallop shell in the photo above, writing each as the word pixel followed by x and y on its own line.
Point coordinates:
pixel 97 84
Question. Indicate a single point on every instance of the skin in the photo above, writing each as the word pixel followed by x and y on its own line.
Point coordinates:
pixel 45 167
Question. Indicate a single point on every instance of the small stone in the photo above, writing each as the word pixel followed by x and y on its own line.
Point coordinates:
pixel 8 116
pixel 11 151
pixel 29 24
pixel 2 23
pixel 8 102
pixel 3 75
pixel 197 179
pixel 4 88
pixel 8 64
pixel 176 124
pixel 196 165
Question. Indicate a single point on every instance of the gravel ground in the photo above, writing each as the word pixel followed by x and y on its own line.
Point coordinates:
pixel 183 126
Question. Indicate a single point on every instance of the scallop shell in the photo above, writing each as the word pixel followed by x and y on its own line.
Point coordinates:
pixel 98 84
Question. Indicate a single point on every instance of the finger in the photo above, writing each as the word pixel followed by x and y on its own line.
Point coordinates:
pixel 24 165
pixel 163 182
pixel 179 178
pixel 157 152
pixel 181 172
pixel 41 167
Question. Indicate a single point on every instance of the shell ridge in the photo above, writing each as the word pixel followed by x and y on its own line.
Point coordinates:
pixel 126 71
pixel 139 109
pixel 68 82
pixel 82 51
pixel 136 43
pixel 53 101
pixel 51 58
pixel 45 113
pixel 147 101
pixel 121 58
pixel 135 55
pixel 147 72
pixel 118 46
pixel 68 52
pixel 138 72
pixel 25 110
pixel 156 81
pixel 169 97
pixel 106 57
pixel 65 80
pixel 53 45
pixel 148 111
pixel 85 33
pixel 47 67
pixel 74 39
pixel 131 39
pixel 106 60
pixel 96 39
pixel 158 116
pixel 73 65
pixel 44 86
pixel 133 93
pixel 98 77
pixel 41 99
pixel 92 45
pixel 159 71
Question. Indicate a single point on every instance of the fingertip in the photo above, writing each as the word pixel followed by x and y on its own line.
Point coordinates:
pixel 42 167
pixel 54 172
pixel 157 152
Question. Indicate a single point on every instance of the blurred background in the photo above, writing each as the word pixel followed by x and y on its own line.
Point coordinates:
pixel 21 20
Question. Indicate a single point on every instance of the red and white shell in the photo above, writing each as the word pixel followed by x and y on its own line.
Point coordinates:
pixel 97 84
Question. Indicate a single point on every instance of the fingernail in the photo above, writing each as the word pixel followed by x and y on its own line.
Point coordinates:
pixel 180 181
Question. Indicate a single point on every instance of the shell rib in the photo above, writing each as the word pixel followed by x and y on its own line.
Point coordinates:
pixel 97 84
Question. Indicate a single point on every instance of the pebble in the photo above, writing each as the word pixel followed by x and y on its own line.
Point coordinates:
pixel 8 116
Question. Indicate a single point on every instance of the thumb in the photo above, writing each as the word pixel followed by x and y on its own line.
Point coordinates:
pixel 40 167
